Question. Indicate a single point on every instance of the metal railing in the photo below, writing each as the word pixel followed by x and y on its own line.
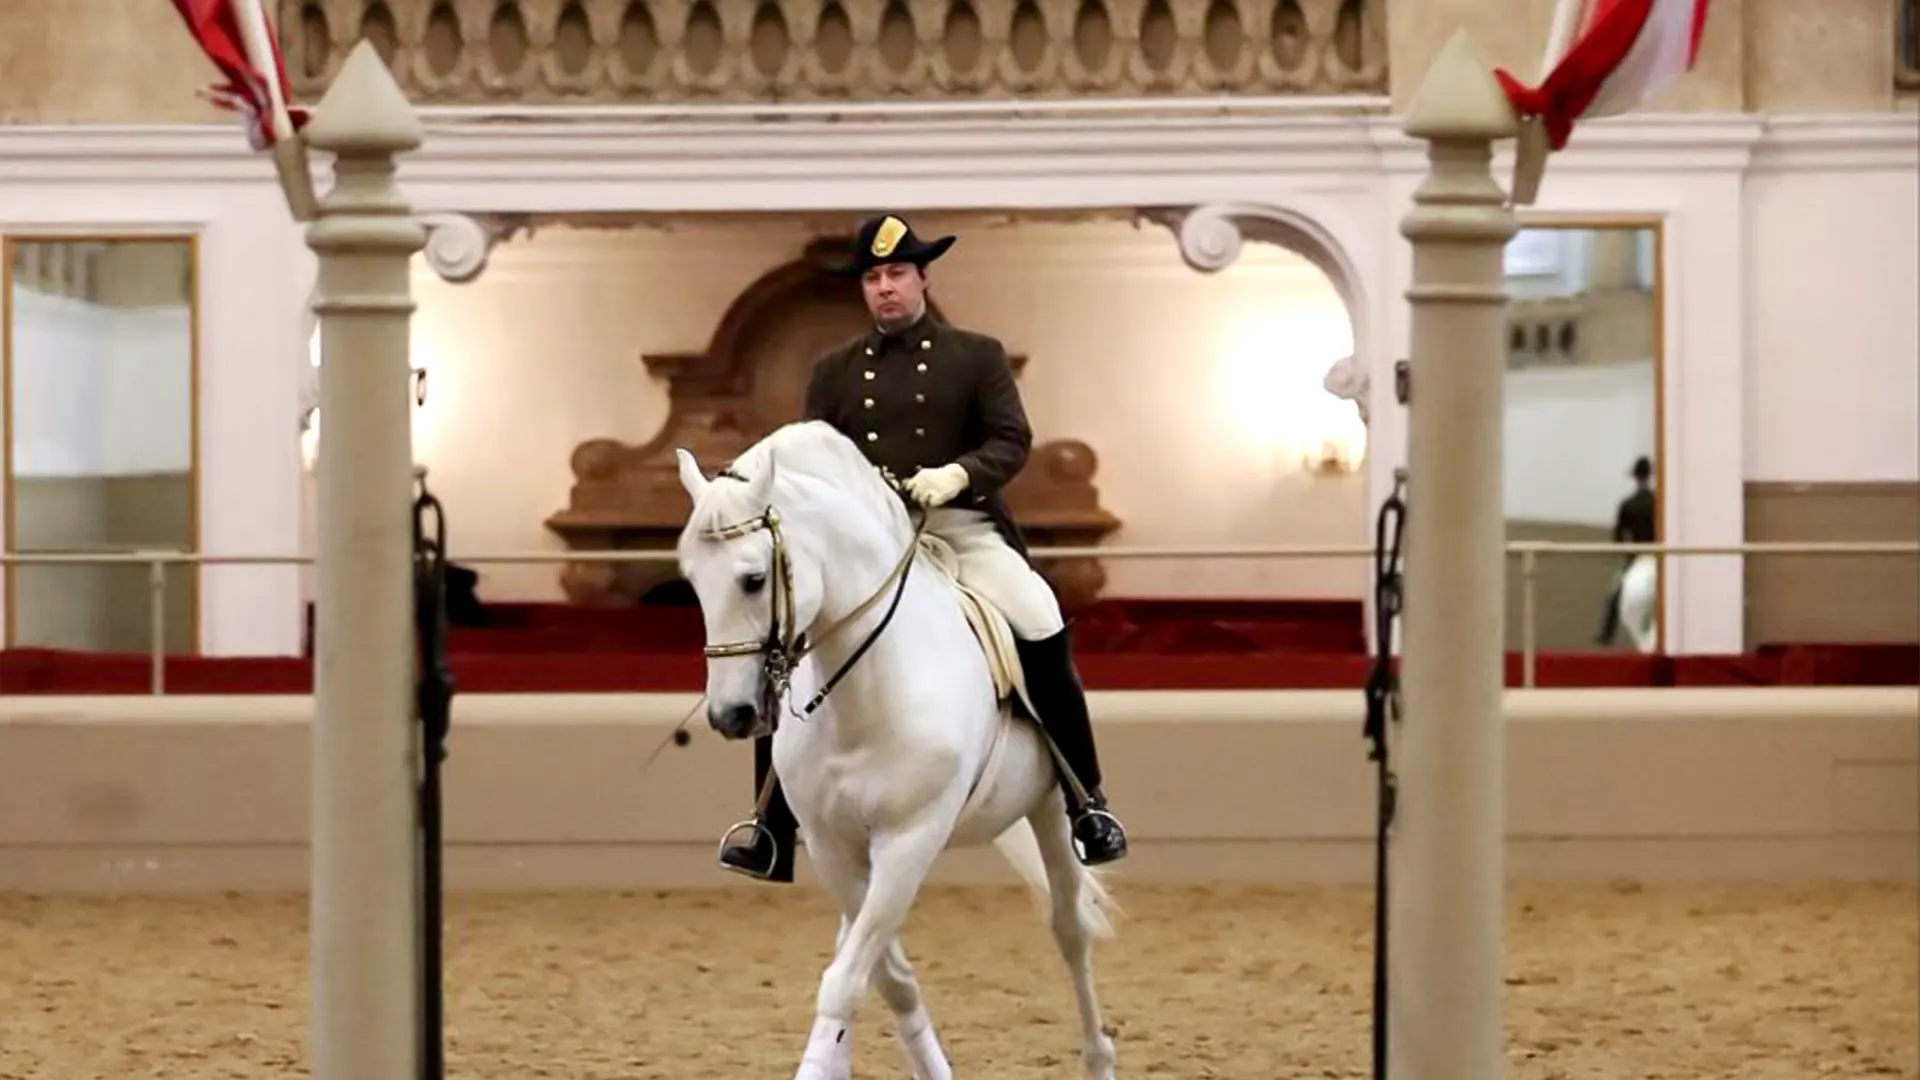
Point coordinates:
pixel 1527 552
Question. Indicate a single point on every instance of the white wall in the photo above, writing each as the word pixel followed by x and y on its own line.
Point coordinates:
pixel 253 277
pixel 1832 277
pixel 98 390
pixel 1570 439
pixel 1769 221
pixel 1187 386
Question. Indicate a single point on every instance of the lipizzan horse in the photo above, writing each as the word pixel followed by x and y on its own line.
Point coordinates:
pixel 832 622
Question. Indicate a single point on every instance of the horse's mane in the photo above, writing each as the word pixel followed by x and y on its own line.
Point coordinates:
pixel 817 473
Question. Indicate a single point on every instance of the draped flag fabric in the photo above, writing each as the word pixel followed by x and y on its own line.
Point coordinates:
pixel 1626 52
pixel 235 36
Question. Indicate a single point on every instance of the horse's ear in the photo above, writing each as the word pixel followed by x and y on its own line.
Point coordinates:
pixel 690 477
pixel 763 483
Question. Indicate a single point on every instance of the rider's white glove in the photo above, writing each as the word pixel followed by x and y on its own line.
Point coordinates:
pixel 935 487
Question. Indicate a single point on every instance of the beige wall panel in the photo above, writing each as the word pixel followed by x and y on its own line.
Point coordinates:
pixel 99 62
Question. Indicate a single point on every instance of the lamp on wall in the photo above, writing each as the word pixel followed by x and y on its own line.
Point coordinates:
pixel 1275 381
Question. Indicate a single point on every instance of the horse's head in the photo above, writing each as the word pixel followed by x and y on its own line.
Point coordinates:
pixel 758 591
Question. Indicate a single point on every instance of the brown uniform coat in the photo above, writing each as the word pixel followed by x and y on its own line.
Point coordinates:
pixel 930 395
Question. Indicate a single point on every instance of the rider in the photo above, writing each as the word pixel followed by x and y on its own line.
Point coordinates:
pixel 1633 523
pixel 938 405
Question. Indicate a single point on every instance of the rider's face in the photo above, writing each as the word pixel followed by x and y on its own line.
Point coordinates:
pixel 893 292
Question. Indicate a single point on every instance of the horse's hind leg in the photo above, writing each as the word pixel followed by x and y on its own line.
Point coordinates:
pixel 1065 881
pixel 899 863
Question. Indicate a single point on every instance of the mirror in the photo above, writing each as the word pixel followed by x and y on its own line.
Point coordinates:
pixel 1582 431
pixel 100 362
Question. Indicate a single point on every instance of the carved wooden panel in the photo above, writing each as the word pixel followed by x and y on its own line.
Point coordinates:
pixel 592 51
pixel 751 379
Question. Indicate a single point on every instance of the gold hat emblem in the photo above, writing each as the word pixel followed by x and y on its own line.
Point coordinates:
pixel 888 236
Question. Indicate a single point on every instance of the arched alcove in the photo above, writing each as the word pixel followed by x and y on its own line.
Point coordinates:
pixel 750 379
pixel 1212 235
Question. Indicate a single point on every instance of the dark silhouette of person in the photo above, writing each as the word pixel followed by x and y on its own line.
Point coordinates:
pixel 1633 523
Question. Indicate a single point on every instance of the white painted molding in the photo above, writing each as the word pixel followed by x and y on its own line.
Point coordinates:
pixel 559 145
pixel 1860 142
pixel 720 156
pixel 1643 143
pixel 1039 249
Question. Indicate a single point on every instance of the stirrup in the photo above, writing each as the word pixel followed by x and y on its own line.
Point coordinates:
pixel 755 831
pixel 1080 849
pixel 1086 812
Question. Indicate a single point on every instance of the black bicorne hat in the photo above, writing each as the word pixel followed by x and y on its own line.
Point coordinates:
pixel 889 239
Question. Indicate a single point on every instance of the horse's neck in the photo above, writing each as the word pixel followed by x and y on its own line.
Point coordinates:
pixel 884 670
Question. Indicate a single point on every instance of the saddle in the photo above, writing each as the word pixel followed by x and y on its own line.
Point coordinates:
pixel 990 626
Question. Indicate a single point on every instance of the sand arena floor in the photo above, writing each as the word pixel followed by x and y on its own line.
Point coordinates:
pixel 1248 984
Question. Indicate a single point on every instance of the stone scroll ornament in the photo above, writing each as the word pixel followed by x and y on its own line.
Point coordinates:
pixel 1623 54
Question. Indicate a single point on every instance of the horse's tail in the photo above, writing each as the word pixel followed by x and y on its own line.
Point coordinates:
pixel 1021 848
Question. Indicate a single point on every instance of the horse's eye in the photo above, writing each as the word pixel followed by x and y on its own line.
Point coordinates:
pixel 752 583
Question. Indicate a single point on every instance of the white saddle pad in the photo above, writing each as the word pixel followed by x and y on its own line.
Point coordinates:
pixel 990 626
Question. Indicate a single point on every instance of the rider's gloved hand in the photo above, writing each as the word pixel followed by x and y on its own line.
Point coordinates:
pixel 935 487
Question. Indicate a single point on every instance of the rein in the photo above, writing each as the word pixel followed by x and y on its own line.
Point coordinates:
pixel 785 644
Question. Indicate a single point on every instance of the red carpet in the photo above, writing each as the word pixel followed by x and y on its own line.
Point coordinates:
pixel 1121 645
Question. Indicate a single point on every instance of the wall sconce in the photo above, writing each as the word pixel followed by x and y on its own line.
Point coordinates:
pixel 1335 457
pixel 1292 387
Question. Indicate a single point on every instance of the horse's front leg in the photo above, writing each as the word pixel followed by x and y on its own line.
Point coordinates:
pixel 901 991
pixel 899 864
pixel 845 874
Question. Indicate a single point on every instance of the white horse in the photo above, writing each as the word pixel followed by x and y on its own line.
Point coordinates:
pixel 1639 596
pixel 808 569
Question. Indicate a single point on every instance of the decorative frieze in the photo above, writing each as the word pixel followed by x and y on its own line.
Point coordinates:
pixel 658 51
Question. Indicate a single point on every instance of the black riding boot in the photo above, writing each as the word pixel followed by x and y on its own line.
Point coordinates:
pixel 1054 686
pixel 1610 618
pixel 764 850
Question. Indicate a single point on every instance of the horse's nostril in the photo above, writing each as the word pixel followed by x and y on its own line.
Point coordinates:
pixel 730 718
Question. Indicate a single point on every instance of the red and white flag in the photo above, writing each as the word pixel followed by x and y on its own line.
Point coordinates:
pixel 235 36
pixel 1626 52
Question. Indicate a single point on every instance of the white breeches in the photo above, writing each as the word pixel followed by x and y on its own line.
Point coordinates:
pixel 991 568
pixel 1639 596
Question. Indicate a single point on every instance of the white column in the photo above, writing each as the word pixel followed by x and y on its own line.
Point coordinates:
pixel 1446 915
pixel 365 934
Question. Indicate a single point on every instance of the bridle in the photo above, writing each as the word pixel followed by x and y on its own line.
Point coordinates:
pixel 786 643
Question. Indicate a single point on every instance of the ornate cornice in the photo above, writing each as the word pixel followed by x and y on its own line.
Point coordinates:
pixel 720 148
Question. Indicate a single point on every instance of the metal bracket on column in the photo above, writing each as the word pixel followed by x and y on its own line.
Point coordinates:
pixel 1402 381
